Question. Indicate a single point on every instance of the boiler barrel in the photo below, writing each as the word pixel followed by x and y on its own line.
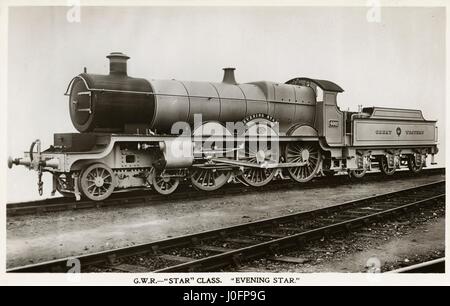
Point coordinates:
pixel 180 101
pixel 111 102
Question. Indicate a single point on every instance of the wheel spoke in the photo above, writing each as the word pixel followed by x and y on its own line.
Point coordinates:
pixel 295 153
pixel 209 179
pixel 96 182
pixel 165 185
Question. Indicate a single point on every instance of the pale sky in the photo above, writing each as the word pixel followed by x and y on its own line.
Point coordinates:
pixel 398 62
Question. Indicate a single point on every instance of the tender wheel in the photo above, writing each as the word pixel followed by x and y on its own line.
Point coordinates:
pixel 97 182
pixel 384 167
pixel 415 165
pixel 358 174
pixel 165 185
pixel 308 155
pixel 62 183
pixel 329 173
pixel 209 179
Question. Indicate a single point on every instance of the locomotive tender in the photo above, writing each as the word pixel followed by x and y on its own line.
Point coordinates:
pixel 132 134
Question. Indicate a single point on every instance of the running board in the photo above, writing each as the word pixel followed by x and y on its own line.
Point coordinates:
pixel 252 165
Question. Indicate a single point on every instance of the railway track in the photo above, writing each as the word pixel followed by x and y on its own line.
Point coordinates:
pixel 147 197
pixel 217 249
pixel 432 266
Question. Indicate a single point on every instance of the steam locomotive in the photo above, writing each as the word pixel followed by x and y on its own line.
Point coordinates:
pixel 145 133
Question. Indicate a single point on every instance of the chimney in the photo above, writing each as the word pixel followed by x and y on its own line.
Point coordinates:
pixel 118 63
pixel 228 76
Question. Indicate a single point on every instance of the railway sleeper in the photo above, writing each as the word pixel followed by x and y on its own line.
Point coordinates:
pixel 239 240
pixel 289 259
pixel 214 249
pixel 176 258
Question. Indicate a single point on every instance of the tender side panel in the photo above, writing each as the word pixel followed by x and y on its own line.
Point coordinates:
pixel 369 132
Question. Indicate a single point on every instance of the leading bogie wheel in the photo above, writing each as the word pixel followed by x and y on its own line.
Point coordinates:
pixel 97 182
pixel 165 184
